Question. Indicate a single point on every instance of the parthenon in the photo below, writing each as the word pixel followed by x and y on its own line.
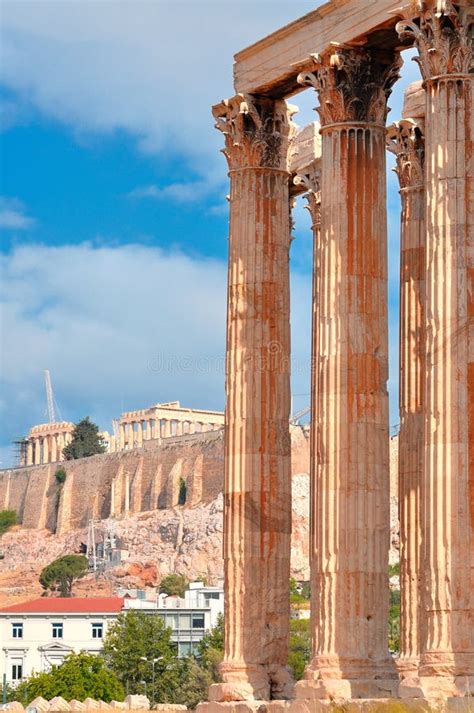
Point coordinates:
pixel 348 52
pixel 163 421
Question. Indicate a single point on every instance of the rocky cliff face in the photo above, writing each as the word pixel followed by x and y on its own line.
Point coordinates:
pixel 185 539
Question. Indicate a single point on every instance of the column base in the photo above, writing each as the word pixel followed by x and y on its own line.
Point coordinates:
pixel 345 689
pixel 241 682
pixel 334 678
pixel 437 687
pixel 250 683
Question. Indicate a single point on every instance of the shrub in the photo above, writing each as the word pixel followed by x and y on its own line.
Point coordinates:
pixel 7 519
pixel 60 475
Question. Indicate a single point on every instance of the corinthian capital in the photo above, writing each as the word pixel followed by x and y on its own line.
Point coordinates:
pixel 443 35
pixel 406 140
pixel 310 181
pixel 257 131
pixel 353 84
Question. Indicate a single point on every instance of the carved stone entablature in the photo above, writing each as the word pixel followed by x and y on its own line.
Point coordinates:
pixel 311 182
pixel 257 131
pixel 353 84
pixel 444 36
pixel 406 140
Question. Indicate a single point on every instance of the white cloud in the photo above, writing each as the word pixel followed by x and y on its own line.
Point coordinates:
pixel 177 192
pixel 151 68
pixel 13 215
pixel 119 328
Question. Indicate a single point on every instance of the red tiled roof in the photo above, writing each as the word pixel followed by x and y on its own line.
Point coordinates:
pixel 67 605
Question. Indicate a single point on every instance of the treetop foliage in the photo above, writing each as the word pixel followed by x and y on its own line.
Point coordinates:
pixel 80 676
pixel 8 518
pixel 174 584
pixel 85 441
pixel 59 576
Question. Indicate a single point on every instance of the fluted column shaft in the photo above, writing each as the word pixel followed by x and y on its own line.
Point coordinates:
pixel 406 140
pixel 446 58
pixel 350 508
pixel 54 448
pixel 29 453
pixel 257 488
pixel 37 457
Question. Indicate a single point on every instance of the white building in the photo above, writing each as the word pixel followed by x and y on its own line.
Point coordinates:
pixel 37 635
pixel 190 617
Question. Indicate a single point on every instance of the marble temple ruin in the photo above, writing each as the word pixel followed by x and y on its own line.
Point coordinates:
pixel 348 53
pixel 45 443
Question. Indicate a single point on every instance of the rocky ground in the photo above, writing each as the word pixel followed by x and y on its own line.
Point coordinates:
pixel 184 540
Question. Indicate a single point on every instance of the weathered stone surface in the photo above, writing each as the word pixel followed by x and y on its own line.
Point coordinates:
pixel 349 446
pixel 257 486
pixel 59 704
pixel 137 703
pixel 40 703
pixel 406 140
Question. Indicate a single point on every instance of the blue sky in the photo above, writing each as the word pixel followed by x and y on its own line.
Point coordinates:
pixel 113 215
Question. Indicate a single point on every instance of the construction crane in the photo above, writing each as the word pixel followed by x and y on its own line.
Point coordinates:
pixel 296 418
pixel 51 403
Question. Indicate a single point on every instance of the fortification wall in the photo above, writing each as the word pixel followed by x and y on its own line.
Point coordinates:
pixel 142 479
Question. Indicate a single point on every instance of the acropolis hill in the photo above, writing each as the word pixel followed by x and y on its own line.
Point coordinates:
pixel 136 492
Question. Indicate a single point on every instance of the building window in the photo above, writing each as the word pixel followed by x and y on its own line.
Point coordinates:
pixel 184 621
pixel 17 631
pixel 184 649
pixel 17 671
pixel 57 631
pixel 97 631
pixel 198 621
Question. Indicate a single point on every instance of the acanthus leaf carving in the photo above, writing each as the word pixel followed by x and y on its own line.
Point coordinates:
pixel 257 131
pixel 406 140
pixel 444 38
pixel 311 181
pixel 353 84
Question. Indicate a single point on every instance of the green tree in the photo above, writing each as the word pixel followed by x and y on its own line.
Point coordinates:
pixel 7 519
pixel 85 441
pixel 60 575
pixel 174 584
pixel 300 646
pixel 195 684
pixel 211 649
pixel 394 622
pixel 80 676
pixel 299 593
pixel 131 645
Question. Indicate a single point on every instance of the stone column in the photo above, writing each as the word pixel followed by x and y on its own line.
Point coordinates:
pixel 147 429
pixel 46 449
pixel 37 451
pixel 122 436
pixel 406 140
pixel 54 448
pixel 167 428
pixel 61 445
pixel 139 434
pixel 179 428
pixel 130 435
pixel 443 36
pixel 350 503
pixel 192 427
pixel 29 453
pixel 257 489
